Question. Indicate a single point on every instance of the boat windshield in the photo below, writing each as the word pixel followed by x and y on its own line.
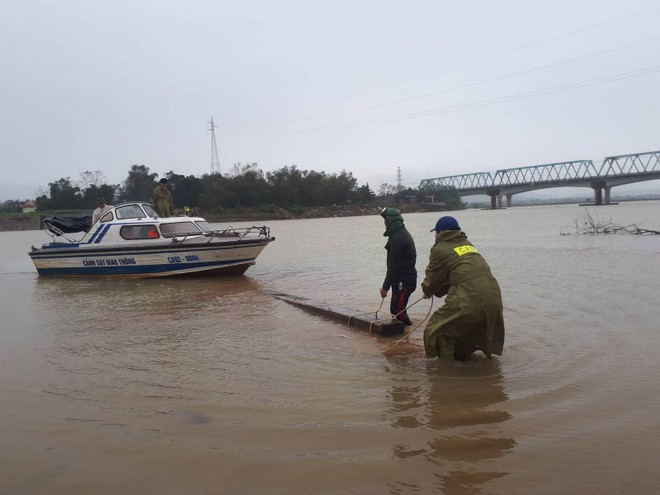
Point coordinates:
pixel 107 217
pixel 179 228
pixel 204 225
pixel 129 211
pixel 150 211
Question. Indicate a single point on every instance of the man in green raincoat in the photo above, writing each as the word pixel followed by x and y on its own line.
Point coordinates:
pixel 471 318
pixel 161 199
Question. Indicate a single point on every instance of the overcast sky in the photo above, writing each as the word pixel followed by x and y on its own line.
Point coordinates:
pixel 433 87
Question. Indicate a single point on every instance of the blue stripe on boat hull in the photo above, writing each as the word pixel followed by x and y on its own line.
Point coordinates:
pixel 233 266
pixel 58 251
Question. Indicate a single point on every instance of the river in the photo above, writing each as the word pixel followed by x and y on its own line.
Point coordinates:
pixel 205 386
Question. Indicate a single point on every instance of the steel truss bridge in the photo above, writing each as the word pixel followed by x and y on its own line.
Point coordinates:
pixel 614 171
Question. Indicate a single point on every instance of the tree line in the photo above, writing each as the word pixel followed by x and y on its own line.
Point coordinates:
pixel 246 187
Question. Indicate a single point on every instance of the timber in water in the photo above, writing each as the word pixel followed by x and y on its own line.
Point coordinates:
pixel 380 323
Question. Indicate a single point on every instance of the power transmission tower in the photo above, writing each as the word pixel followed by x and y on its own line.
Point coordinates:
pixel 215 158
pixel 399 181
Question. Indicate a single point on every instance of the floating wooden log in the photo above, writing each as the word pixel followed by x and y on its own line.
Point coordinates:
pixel 380 324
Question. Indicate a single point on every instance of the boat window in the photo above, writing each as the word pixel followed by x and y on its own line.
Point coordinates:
pixel 107 217
pixel 179 228
pixel 129 211
pixel 204 226
pixel 131 232
pixel 150 211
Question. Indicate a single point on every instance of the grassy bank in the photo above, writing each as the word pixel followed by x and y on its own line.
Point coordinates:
pixel 277 213
pixel 33 221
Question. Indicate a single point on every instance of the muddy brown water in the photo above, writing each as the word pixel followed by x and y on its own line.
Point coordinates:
pixel 214 386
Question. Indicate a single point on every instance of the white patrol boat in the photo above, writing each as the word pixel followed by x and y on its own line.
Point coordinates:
pixel 131 240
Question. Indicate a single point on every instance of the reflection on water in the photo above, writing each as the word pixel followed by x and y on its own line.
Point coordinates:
pixel 154 292
pixel 458 405
pixel 156 336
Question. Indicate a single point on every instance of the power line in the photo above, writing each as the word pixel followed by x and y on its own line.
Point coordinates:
pixel 469 85
pixel 483 59
pixel 465 106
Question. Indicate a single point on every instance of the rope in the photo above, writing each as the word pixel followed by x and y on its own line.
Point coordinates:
pixel 378 321
pixel 413 330
pixel 406 309
pixel 368 313
pixel 392 316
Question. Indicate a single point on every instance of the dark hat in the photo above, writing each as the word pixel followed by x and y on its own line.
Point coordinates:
pixel 163 180
pixel 446 223
pixel 390 212
pixel 100 200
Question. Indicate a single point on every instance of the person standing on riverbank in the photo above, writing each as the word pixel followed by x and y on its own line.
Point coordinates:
pixel 471 318
pixel 401 273
pixel 161 199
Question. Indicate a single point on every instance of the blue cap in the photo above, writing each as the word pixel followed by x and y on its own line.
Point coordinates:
pixel 446 223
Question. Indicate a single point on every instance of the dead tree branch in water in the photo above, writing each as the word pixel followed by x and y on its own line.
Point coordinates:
pixel 587 224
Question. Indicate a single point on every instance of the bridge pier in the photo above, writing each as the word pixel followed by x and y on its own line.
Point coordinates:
pixel 598 187
pixel 598 197
pixel 495 199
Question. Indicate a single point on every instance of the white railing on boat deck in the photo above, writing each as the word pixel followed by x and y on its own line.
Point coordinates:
pixel 238 233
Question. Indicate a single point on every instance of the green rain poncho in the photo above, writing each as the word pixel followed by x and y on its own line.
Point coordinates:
pixel 162 201
pixel 471 317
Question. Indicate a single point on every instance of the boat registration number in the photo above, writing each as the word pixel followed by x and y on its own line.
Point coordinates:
pixel 180 259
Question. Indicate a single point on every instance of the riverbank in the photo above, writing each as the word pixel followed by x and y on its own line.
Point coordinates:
pixel 20 222
pixel 32 221
pixel 315 212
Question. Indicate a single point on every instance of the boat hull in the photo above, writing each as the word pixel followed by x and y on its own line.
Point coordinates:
pixel 148 260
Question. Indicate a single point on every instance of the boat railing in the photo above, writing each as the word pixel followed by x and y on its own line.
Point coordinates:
pixel 229 232
pixel 240 232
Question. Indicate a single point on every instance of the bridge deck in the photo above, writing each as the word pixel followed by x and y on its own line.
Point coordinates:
pixel 614 171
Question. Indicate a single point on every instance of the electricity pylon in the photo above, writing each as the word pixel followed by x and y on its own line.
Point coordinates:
pixel 215 158
pixel 399 180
